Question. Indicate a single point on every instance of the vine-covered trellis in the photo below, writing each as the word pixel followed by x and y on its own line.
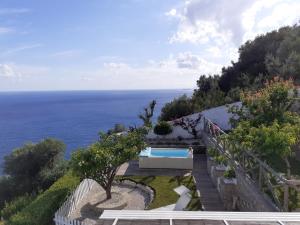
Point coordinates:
pixel 284 193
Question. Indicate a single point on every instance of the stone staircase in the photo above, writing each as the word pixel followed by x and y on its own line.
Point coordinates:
pixel 208 192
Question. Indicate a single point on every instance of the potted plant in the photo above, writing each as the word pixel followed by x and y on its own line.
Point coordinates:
pixel 227 187
pixel 218 169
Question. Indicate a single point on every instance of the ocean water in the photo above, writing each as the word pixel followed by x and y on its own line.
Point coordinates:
pixel 75 117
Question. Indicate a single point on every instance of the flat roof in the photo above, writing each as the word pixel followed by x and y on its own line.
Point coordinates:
pixel 141 217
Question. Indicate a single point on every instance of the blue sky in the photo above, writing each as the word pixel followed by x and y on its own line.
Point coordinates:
pixel 127 44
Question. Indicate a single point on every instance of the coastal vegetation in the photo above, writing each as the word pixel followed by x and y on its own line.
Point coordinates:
pixel 41 210
pixel 276 53
pixel 31 169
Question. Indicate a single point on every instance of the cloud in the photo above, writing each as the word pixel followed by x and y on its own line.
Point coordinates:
pixel 20 71
pixel 6 30
pixel 9 11
pixel 21 48
pixel 191 61
pixel 219 22
pixel 8 71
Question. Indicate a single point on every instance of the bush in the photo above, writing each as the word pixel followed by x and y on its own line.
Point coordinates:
pixel 8 190
pixel 229 173
pixel 179 107
pixel 163 128
pixel 220 159
pixel 212 152
pixel 15 206
pixel 26 164
pixel 42 209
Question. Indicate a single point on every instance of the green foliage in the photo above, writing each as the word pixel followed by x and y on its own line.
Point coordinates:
pixel 27 165
pixel 16 206
pixel 101 160
pixel 147 115
pixel 267 127
pixel 163 128
pixel 42 209
pixel 229 173
pixel 220 159
pixel 208 94
pixel 8 190
pixel 177 108
pixel 212 152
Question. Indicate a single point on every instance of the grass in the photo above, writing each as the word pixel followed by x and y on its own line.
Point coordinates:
pixel 163 187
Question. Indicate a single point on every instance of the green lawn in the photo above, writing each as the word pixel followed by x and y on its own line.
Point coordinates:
pixel 164 193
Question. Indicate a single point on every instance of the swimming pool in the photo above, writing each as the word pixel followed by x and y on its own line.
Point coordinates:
pixel 165 152
pixel 171 158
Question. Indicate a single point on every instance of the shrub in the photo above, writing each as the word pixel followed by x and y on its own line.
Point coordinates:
pixel 42 209
pixel 177 108
pixel 212 152
pixel 163 128
pixel 229 173
pixel 15 206
pixel 220 159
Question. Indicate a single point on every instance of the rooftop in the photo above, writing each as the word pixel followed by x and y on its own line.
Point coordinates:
pixel 133 217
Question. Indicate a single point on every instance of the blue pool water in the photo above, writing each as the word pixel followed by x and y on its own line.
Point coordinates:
pixel 162 152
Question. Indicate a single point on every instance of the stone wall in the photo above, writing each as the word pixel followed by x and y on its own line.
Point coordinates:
pixel 249 198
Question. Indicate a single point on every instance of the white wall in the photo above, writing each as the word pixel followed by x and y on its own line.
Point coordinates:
pixel 218 115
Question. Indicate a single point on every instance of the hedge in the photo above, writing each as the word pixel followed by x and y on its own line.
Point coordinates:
pixel 41 210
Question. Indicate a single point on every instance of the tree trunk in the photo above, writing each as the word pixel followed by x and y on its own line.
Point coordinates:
pixel 108 193
pixel 288 168
pixel 286 187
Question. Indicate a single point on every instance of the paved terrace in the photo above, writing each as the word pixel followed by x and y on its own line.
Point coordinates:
pixel 207 191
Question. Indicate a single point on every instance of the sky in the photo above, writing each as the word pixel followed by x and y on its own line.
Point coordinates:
pixel 127 44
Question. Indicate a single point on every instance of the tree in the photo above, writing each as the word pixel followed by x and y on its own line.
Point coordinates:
pixel 147 115
pixel 266 125
pixel 208 93
pixel 28 165
pixel 163 128
pixel 177 108
pixel 189 124
pixel 101 160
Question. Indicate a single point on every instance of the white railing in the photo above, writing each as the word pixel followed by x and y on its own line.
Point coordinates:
pixel 261 174
pixel 62 214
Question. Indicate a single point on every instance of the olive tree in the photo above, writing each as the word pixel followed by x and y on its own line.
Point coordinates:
pixel 102 159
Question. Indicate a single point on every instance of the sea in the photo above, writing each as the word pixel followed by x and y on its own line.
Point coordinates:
pixel 74 117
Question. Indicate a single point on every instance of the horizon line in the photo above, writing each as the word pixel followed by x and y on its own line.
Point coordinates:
pixel 64 90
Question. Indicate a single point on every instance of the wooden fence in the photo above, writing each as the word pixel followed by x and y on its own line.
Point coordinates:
pixel 62 214
pixel 268 181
